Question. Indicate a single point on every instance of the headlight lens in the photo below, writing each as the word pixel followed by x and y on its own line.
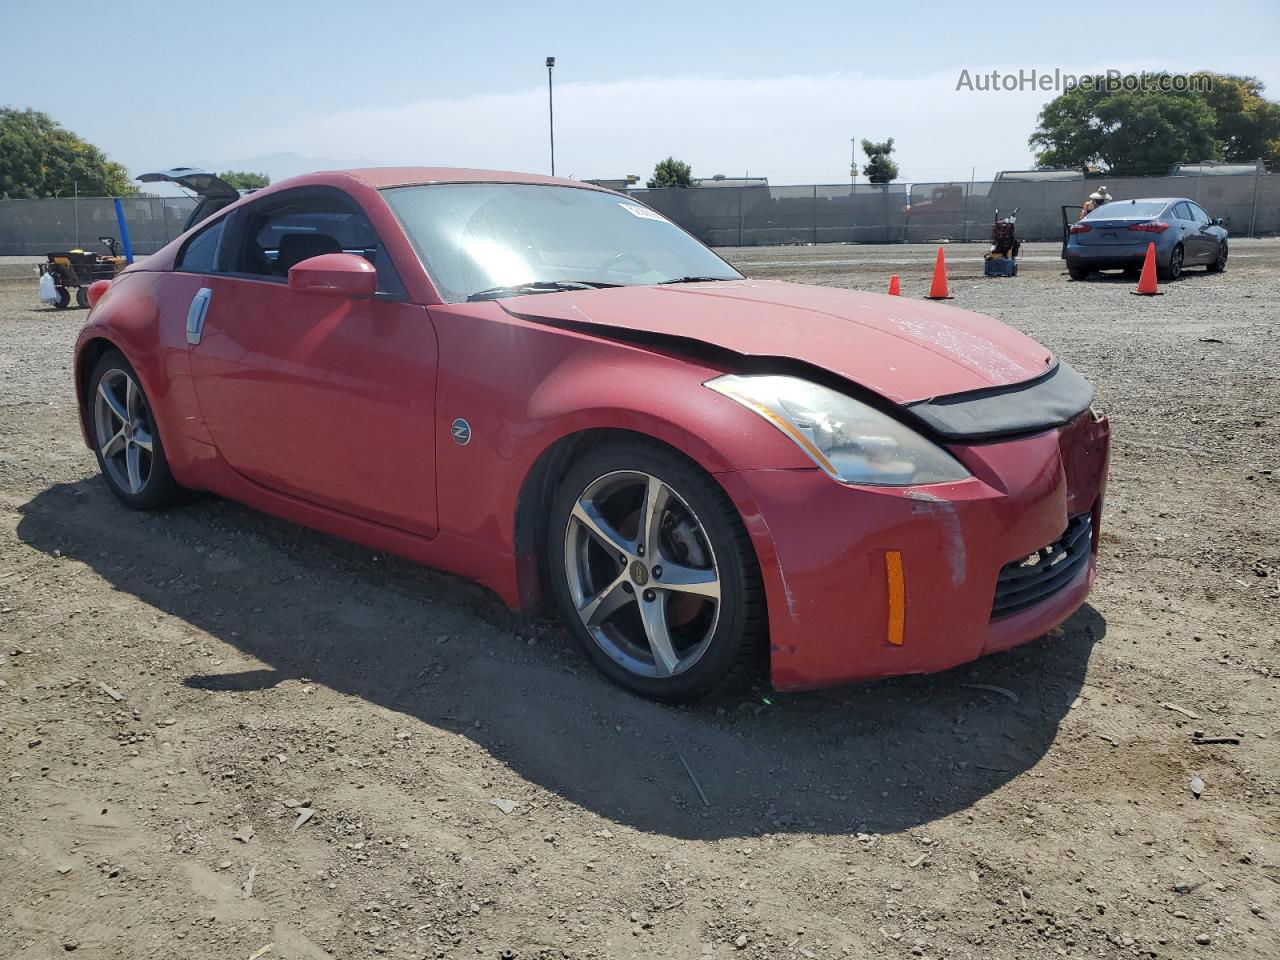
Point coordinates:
pixel 852 442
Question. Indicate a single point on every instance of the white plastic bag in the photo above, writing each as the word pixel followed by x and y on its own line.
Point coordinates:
pixel 48 289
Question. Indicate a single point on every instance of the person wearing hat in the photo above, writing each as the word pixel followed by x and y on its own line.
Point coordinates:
pixel 1096 199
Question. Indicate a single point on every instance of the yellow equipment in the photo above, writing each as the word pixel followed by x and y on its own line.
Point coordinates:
pixel 77 269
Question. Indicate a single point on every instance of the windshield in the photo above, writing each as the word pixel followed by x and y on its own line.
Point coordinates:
pixel 1127 210
pixel 487 240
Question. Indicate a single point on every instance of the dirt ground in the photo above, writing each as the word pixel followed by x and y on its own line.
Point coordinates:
pixel 175 688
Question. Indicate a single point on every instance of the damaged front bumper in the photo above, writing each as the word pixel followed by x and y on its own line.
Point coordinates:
pixel 866 582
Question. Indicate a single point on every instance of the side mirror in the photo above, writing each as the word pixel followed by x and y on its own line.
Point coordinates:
pixel 1217 221
pixel 334 275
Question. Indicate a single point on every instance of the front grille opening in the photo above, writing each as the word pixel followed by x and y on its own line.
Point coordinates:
pixel 1024 583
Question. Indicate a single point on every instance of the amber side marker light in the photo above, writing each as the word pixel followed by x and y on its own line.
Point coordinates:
pixel 897 596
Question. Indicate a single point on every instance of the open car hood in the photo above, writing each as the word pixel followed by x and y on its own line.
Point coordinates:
pixel 907 351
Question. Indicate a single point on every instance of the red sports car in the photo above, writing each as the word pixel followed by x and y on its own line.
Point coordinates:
pixel 552 389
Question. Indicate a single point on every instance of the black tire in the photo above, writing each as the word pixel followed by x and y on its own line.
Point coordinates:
pixel 735 635
pixel 158 489
pixel 1174 270
pixel 1078 273
pixel 1220 261
pixel 82 297
pixel 64 299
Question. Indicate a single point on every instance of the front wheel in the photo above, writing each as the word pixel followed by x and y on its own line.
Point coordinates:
pixel 1220 261
pixel 125 438
pixel 654 573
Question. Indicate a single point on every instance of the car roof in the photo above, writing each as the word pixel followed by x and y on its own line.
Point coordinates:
pixel 382 177
pixel 1164 200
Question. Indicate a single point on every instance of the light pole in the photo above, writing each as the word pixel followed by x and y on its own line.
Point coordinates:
pixel 551 114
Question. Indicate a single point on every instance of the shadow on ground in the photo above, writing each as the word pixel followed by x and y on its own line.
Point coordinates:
pixel 880 757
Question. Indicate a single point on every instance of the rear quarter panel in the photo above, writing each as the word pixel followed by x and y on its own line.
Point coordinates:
pixel 143 315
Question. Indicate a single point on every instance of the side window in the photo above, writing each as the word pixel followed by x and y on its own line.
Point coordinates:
pixel 201 252
pixel 286 230
pixel 1198 214
pixel 1181 211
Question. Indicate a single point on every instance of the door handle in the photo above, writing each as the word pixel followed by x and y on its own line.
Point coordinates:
pixel 196 314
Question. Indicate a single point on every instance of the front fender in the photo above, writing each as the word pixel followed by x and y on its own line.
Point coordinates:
pixel 563 383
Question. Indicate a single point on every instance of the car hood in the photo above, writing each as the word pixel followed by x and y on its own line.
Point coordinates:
pixel 905 350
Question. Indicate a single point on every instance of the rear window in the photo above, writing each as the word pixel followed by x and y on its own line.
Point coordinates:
pixel 350 229
pixel 199 254
pixel 1127 210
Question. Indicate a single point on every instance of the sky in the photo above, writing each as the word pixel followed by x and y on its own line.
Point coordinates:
pixel 765 89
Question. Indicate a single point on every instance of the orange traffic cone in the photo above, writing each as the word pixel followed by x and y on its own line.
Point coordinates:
pixel 938 289
pixel 894 289
pixel 1147 282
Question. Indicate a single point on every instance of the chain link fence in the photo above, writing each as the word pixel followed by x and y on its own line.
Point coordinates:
pixel 952 210
pixel 37 227
pixel 751 215
pixel 1248 203
pixel 746 215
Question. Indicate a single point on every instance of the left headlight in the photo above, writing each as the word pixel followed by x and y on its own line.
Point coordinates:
pixel 851 441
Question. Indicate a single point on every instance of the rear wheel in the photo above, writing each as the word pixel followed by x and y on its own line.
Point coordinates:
pixel 82 296
pixel 653 572
pixel 64 298
pixel 1174 270
pixel 1078 273
pixel 1220 261
pixel 125 439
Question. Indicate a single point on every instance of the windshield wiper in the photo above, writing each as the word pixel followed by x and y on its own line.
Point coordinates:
pixel 663 283
pixel 538 286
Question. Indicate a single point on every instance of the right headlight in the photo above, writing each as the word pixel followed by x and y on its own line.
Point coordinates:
pixel 851 441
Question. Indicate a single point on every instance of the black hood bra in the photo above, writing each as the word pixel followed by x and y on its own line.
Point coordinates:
pixel 1050 400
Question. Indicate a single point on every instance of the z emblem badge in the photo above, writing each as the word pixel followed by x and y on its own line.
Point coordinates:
pixel 461 432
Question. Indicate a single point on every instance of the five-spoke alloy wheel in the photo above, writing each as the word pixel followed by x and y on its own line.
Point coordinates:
pixel 122 425
pixel 654 572
pixel 642 574
pixel 125 438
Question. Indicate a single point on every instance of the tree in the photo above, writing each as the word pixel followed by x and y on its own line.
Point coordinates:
pixel 41 158
pixel 671 173
pixel 243 180
pixel 1148 129
pixel 879 168
pixel 1246 124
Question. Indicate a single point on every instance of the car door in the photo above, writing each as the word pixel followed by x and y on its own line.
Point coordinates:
pixel 326 399
pixel 1206 235
pixel 1191 252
